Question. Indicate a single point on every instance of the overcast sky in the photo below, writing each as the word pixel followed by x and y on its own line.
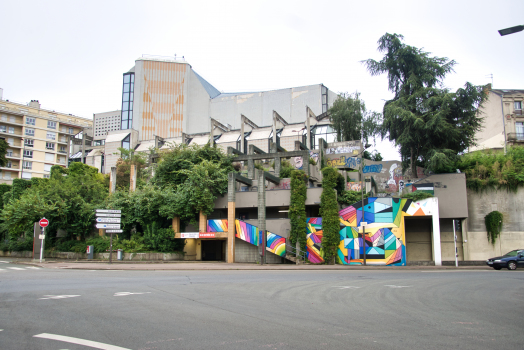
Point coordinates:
pixel 70 55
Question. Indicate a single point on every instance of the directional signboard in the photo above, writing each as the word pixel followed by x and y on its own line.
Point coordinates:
pixel 108 226
pixel 109 211
pixel 106 215
pixel 112 220
pixel 114 231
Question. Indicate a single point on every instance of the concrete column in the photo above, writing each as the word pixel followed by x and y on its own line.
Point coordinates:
pixel 250 169
pixel 465 240
pixel 278 166
pixel 308 128
pixel 83 144
pixel 242 135
pixel 274 127
pixel 437 250
pixel 262 213
pixel 132 179
pixel 202 222
pixel 176 224
pixel 231 218
pixel 112 180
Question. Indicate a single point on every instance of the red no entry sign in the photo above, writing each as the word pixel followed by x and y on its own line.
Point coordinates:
pixel 43 222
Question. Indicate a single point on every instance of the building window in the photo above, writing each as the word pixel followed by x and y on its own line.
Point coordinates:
pixel 50 157
pixel 28 154
pixel 127 101
pixel 11 129
pixel 7 175
pixel 47 176
pixel 325 132
pixel 47 167
pixel 51 135
pixel 517 105
pixel 126 142
pixel 50 145
pixel 519 128
pixel 30 121
pixel 9 152
pixel 51 124
pixel 62 149
pixel 3 128
pixel 26 175
pixel 9 164
pixel 29 132
pixel 71 130
pixel 27 165
pixel 29 142
pixel 11 141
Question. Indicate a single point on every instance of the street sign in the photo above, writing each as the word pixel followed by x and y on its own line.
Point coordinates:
pixel 106 226
pixel 111 211
pixel 108 215
pixel 114 231
pixel 113 220
pixel 43 222
pixel 41 236
pixel 189 235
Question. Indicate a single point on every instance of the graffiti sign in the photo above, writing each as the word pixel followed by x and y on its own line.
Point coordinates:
pixel 354 186
pixel 345 162
pixel 374 168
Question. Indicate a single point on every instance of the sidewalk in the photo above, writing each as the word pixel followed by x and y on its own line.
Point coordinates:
pixel 208 266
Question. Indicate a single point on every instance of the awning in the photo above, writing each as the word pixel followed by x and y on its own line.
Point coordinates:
pixel 200 140
pixel 229 137
pixel 116 137
pixel 145 146
pixel 260 134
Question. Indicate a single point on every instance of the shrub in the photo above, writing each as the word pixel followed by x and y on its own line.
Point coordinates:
pixel 162 240
pixel 100 244
pixel 493 223
pixel 329 213
pixel 417 195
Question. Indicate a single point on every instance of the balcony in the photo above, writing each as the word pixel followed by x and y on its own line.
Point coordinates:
pixel 515 136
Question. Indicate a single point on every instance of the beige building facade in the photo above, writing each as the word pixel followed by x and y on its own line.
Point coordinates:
pixel 37 139
pixel 503 124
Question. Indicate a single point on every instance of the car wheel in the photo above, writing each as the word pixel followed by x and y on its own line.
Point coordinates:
pixel 497 267
pixel 512 265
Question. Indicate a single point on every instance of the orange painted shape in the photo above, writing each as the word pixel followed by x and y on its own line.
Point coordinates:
pixel 419 212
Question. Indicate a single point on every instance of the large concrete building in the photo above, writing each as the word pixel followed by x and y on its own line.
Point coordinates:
pixel 503 124
pixel 38 138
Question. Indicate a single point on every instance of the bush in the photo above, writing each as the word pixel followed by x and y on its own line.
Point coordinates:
pixel 100 244
pixel 351 197
pixel 19 245
pixel 71 246
pixel 133 245
pixel 162 240
pixel 417 195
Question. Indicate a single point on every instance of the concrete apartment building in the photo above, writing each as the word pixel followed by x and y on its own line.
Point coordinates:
pixel 37 138
pixel 503 124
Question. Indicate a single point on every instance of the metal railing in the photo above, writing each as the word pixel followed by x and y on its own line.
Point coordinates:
pixel 302 255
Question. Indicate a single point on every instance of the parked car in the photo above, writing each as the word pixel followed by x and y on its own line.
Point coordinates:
pixel 509 260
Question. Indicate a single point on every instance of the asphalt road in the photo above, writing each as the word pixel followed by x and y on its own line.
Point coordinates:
pixel 44 308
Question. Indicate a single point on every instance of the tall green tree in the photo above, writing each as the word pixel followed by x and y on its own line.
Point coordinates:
pixel 430 124
pixel 3 151
pixel 329 213
pixel 351 120
pixel 297 209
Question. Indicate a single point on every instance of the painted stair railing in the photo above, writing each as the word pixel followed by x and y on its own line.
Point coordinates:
pixel 251 234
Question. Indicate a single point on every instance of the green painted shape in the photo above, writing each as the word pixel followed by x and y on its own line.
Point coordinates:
pixel 388 253
pixel 397 212
pixel 391 244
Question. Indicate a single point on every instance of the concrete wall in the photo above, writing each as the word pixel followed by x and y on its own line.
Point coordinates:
pixel 447 241
pixel 197 119
pixel 248 253
pixel 451 192
pixel 512 235
pixel 492 133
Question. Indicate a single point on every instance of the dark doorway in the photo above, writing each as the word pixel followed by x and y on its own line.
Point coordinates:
pixel 418 239
pixel 213 250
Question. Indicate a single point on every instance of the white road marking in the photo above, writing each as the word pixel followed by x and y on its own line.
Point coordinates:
pixel 4 262
pixel 90 343
pixel 58 297
pixel 346 287
pixel 123 294
pixel 393 286
pixel 16 268
pixel 33 268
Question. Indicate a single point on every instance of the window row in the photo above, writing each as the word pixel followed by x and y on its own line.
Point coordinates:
pixel 10 129
pixel 12 119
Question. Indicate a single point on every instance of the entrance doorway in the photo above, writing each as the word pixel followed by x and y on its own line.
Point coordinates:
pixel 213 250
pixel 418 239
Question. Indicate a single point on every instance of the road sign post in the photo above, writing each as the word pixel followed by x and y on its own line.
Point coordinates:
pixel 109 221
pixel 43 224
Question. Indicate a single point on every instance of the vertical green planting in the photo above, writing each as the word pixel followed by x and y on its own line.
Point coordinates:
pixel 297 208
pixel 493 225
pixel 329 213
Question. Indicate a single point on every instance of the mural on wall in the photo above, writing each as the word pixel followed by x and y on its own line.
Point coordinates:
pixel 275 244
pixel 345 147
pixel 428 188
pixel 298 162
pixel 285 184
pixel 384 239
pixel 314 240
pixel 217 225
pixel 342 154
pixel 247 232
pixel 345 162
pixel 354 186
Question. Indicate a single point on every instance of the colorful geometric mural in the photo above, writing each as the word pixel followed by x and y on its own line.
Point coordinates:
pixel 384 230
pixel 217 225
pixel 276 244
pixel 314 240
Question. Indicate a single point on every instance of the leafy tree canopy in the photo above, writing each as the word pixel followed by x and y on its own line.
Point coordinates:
pixel 351 120
pixel 430 124
pixel 3 151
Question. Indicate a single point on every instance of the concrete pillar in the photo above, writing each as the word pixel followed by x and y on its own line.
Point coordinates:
pixel 465 241
pixel 202 222
pixel 176 224
pixel 437 250
pixel 101 232
pixel 112 180
pixel 230 252
pixel 242 135
pixel 132 178
pixel 262 213
pixel 190 249
pixel 83 144
pixel 274 127
pixel 308 128
pixel 250 169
